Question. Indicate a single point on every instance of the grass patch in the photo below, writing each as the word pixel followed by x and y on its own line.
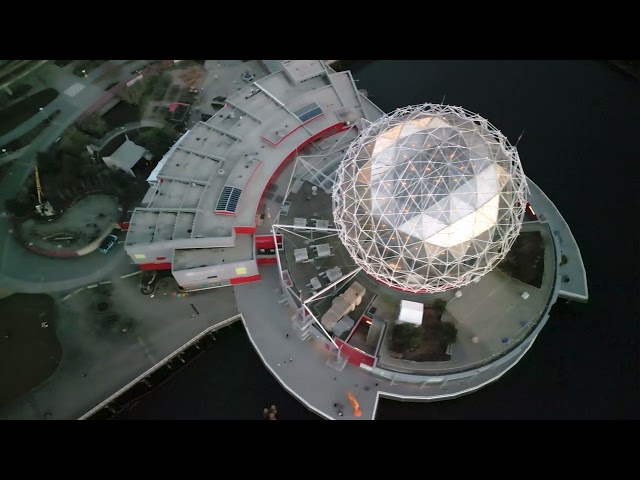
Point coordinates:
pixel 31 135
pixel 122 114
pixel 427 342
pixel 20 112
pixel 29 352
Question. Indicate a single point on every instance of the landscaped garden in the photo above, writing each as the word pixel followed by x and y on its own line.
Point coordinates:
pixel 122 114
pixel 68 172
pixel 157 140
pixel 427 342
pixel 152 88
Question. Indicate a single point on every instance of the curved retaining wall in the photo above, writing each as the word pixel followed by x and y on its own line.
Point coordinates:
pixel 62 252
pixel 65 252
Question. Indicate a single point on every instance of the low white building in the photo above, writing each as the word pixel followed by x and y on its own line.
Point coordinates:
pixel 126 156
pixel 411 312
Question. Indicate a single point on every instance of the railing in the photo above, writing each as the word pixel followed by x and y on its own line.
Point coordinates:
pixel 160 364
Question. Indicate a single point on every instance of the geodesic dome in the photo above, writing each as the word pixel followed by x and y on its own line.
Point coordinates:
pixel 429 197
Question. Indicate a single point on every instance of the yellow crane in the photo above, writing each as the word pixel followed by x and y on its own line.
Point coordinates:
pixel 43 208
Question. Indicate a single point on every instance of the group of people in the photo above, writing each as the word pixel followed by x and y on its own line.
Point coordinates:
pixel 270 413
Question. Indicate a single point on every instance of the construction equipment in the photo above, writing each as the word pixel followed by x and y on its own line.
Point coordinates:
pixel 43 208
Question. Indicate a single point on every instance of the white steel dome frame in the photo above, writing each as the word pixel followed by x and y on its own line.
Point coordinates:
pixel 429 197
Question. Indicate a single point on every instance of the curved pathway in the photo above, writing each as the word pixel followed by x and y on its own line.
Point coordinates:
pixel 127 128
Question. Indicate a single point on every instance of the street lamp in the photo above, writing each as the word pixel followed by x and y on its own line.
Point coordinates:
pixel 45 114
pixel 84 72
pixel 4 152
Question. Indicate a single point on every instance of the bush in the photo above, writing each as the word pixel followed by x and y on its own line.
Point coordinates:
pixel 405 336
pixel 94 126
pixel 446 333
pixel 18 208
pixel 439 305
pixel 24 109
pixel 157 140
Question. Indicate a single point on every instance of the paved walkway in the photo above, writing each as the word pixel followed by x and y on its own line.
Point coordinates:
pixel 293 361
pixel 99 357
pixel 573 270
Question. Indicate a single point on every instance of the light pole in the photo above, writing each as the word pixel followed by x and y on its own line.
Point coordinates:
pixel 4 152
pixel 45 114
pixel 84 72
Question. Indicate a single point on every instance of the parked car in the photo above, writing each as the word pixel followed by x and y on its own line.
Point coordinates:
pixel 108 243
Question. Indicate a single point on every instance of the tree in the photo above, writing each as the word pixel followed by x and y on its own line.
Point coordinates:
pixel 47 163
pixel 17 207
pixel 439 305
pixel 73 140
pixel 446 333
pixel 95 126
pixel 405 336
pixel 132 93
pixel 157 141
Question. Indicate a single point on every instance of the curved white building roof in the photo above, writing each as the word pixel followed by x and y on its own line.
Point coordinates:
pixel 429 197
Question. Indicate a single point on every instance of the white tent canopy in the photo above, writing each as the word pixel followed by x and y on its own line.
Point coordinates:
pixel 126 156
pixel 411 312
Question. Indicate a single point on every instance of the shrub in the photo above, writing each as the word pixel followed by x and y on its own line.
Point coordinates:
pixel 405 336
pixel 439 305
pixel 18 208
pixel 446 333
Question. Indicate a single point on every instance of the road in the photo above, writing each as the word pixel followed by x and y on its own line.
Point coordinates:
pixel 25 271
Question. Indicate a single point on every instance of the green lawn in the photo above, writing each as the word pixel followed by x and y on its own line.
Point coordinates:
pixel 28 137
pixel 29 353
pixel 22 111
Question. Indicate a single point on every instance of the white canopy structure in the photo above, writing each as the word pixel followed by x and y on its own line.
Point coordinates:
pixel 411 312
pixel 126 156
pixel 429 197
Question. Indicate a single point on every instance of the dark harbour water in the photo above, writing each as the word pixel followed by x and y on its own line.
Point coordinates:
pixel 581 122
